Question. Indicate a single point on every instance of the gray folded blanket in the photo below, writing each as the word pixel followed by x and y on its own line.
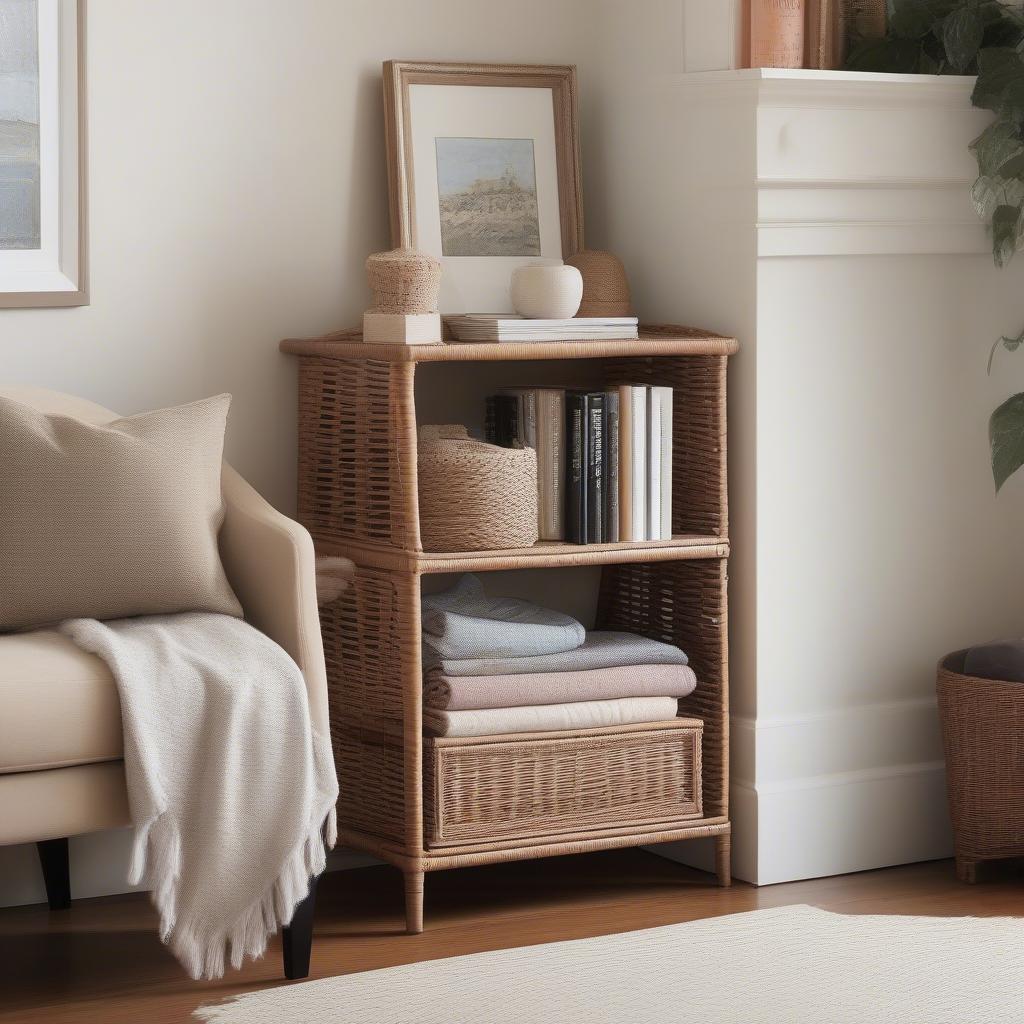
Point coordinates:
pixel 466 693
pixel 464 622
pixel 599 650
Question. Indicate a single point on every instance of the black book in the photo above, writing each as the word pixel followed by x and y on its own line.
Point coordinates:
pixel 576 450
pixel 501 422
pixel 491 420
pixel 612 532
pixel 595 468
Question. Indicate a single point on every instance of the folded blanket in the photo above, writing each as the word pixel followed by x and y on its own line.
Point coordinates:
pixel 228 785
pixel 461 693
pixel 464 622
pixel 598 650
pixel 591 714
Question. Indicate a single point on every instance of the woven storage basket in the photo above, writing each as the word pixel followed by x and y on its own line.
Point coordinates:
pixel 983 737
pixel 475 496
pixel 557 783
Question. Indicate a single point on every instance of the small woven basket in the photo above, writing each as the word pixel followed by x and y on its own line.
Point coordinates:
pixel 983 736
pixel 475 496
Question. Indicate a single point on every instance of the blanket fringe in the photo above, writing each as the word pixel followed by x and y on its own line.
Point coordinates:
pixel 156 862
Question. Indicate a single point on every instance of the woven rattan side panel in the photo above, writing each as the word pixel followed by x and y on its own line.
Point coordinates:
pixel 363 635
pixel 699 494
pixel 682 603
pixel 357 452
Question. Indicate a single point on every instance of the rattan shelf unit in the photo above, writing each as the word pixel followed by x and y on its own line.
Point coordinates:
pixel 429 804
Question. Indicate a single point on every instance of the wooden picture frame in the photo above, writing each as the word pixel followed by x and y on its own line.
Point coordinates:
pixel 52 268
pixel 412 116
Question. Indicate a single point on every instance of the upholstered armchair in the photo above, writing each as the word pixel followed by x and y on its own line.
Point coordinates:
pixel 61 772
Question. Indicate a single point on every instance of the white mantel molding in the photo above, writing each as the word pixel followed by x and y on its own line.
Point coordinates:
pixel 843 163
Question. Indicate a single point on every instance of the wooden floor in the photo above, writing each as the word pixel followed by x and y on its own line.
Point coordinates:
pixel 102 963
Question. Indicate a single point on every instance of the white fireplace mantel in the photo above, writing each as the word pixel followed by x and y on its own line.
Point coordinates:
pixel 824 219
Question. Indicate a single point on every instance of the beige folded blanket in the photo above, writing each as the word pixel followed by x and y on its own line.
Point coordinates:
pixel 591 714
pixel 463 693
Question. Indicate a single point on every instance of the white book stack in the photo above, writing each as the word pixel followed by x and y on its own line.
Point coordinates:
pixel 512 329
pixel 645 466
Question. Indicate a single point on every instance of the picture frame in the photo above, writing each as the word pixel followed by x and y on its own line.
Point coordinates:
pixel 483 172
pixel 43 198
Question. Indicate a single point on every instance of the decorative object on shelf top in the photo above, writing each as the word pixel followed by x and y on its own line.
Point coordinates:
pixel 605 285
pixel 474 496
pixel 775 33
pixel 832 25
pixel 483 168
pixel 986 38
pixel 403 281
pixel 512 329
pixel 547 293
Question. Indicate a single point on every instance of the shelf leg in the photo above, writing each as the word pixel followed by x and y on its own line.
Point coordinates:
pixel 723 859
pixel 414 902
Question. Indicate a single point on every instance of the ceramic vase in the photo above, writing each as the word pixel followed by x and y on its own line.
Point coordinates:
pixel 546 292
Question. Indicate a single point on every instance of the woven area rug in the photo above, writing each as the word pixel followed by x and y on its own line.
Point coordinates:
pixel 784 966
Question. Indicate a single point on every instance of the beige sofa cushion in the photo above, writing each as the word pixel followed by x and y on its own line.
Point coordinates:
pixel 58 704
pixel 113 519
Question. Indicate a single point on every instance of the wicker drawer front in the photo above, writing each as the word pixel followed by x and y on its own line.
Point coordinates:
pixel 486 789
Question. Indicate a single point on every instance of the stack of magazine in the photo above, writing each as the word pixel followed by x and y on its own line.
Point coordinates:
pixel 604 458
pixel 511 328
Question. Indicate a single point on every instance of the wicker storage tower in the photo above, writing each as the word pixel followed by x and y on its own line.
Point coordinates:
pixel 427 804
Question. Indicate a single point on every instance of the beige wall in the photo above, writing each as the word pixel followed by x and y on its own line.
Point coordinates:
pixel 237 185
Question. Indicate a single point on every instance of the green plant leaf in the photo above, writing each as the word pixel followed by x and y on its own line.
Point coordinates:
pixel 990 193
pixel 1010 344
pixel 998 146
pixel 1006 439
pixel 1006 233
pixel 962 33
pixel 1000 85
pixel 914 19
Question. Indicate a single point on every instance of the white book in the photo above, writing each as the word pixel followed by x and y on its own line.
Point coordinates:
pixel 653 463
pixel 638 457
pixel 666 462
pixel 625 462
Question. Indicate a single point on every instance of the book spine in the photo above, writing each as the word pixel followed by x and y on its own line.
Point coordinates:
pixel 556 444
pixel 639 464
pixel 595 469
pixel 653 463
pixel 611 463
pixel 491 419
pixel 530 419
pixel 576 480
pixel 507 420
pixel 666 462
pixel 625 462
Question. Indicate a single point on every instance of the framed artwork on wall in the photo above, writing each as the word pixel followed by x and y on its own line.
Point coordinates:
pixel 483 168
pixel 42 153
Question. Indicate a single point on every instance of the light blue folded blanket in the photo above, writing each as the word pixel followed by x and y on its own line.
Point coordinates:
pixel 464 622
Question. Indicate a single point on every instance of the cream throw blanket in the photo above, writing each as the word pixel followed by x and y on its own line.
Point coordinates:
pixel 231 792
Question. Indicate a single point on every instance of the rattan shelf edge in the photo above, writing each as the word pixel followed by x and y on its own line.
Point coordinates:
pixel 443 859
pixel 654 340
pixel 540 556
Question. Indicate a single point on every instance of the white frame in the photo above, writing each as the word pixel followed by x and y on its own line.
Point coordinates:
pixel 56 273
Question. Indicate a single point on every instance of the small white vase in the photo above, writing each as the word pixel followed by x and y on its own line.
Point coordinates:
pixel 547 293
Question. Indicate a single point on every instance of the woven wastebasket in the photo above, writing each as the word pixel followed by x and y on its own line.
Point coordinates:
pixel 983 736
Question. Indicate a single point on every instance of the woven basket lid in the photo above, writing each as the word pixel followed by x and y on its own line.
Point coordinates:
pixel 403 281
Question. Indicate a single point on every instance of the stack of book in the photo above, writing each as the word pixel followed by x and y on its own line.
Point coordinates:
pixel 515 328
pixel 604 459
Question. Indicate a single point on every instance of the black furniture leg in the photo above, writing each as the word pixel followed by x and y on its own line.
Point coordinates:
pixel 53 856
pixel 297 938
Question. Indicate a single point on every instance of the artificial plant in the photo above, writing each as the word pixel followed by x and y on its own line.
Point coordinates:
pixel 983 38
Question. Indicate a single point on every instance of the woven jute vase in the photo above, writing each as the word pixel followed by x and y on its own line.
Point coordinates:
pixel 983 737
pixel 403 281
pixel 474 496
pixel 605 285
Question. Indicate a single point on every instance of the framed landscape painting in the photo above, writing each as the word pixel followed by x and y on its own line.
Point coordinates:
pixel 483 167
pixel 42 147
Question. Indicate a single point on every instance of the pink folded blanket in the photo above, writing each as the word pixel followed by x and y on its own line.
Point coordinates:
pixel 467 693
